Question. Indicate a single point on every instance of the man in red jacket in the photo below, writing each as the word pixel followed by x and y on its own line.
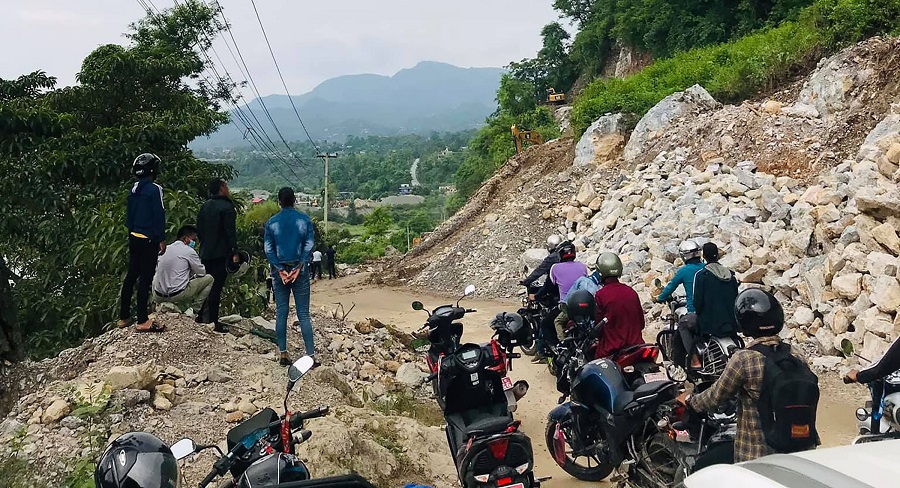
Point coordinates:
pixel 620 305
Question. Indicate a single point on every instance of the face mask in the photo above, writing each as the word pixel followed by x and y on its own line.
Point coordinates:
pixel 193 244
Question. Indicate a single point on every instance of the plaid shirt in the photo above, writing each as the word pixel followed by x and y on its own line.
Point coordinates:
pixel 743 377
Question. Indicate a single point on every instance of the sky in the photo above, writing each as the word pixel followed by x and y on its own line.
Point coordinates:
pixel 313 40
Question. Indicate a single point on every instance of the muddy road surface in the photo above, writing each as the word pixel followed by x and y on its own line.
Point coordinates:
pixel 836 421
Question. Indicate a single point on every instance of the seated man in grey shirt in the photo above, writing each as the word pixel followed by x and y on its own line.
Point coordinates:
pixel 173 282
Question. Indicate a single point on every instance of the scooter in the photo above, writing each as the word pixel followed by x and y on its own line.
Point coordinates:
pixel 261 449
pixel 477 397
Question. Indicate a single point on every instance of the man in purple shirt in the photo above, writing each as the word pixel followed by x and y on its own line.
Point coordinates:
pixel 564 274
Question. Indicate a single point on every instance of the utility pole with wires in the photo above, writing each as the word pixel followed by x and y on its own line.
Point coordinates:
pixel 325 156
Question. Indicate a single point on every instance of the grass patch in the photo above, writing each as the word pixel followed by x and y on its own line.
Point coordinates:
pixel 403 403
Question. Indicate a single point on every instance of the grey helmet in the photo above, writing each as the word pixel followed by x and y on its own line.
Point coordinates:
pixel 689 249
pixel 553 241
pixel 609 265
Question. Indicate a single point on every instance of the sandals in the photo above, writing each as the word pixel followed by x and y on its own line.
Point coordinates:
pixel 154 327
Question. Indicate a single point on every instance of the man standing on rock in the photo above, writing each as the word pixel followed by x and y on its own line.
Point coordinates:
pixel 290 238
pixel 715 289
pixel 216 226
pixel 146 221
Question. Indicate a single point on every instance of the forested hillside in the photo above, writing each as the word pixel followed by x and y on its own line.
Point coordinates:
pixel 369 167
pixel 736 49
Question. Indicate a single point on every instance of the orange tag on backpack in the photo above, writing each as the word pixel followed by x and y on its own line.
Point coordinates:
pixel 799 431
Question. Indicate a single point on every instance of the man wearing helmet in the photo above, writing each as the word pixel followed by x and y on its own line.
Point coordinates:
pixel 761 317
pixel 146 221
pixel 564 275
pixel 620 305
pixel 689 251
pixel 553 242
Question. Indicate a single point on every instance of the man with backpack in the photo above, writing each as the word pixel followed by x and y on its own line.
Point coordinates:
pixel 777 392
pixel 715 289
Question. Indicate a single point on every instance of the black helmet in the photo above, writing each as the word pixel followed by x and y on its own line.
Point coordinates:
pixel 137 460
pixel 581 304
pixel 511 329
pixel 146 165
pixel 758 313
pixel 566 251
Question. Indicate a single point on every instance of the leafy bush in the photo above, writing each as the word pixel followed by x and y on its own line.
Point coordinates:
pixel 740 69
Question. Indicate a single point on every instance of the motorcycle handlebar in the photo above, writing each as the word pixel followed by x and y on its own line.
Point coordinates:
pixel 471 310
pixel 209 478
pixel 431 377
pixel 315 413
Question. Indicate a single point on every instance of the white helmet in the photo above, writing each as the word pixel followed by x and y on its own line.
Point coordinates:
pixel 553 241
pixel 689 249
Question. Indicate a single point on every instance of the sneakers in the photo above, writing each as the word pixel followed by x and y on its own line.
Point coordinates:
pixel 539 359
pixel 221 329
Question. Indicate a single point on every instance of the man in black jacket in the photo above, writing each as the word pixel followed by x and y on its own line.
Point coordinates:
pixel 715 290
pixel 216 225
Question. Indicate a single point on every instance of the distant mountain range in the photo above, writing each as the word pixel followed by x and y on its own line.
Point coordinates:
pixel 428 97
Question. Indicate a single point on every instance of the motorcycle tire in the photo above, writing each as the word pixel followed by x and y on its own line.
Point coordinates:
pixel 596 473
pixel 530 349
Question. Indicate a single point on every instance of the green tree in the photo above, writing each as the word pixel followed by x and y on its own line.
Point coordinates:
pixel 379 222
pixel 65 155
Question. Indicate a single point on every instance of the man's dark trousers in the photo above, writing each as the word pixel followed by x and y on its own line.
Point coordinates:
pixel 142 257
pixel 216 269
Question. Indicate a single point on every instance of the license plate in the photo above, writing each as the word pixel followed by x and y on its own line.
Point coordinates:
pixel 517 485
pixel 659 376
pixel 507 383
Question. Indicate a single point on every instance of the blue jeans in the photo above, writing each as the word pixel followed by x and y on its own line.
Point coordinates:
pixel 300 288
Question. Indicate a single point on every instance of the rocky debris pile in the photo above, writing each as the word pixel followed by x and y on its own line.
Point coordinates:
pixel 829 251
pixel 510 213
pixel 192 382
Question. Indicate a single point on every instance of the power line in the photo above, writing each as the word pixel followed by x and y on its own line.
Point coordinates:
pixel 278 69
pixel 146 5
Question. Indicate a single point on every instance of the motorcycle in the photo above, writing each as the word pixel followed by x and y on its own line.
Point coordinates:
pixel 714 352
pixel 879 419
pixel 535 312
pixel 478 398
pixel 261 449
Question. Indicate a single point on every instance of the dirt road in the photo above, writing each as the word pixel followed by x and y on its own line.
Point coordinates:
pixel 836 422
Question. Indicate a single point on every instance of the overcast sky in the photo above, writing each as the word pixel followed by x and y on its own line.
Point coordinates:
pixel 313 40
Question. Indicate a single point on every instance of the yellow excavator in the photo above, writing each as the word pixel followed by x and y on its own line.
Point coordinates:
pixel 554 98
pixel 520 136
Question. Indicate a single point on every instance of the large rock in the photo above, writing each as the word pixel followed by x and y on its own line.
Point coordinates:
pixel 878 203
pixel 55 412
pixel 586 194
pixel 138 377
pixel 879 263
pixel 828 87
pixel 886 235
pixel 848 285
pixel 410 375
pixel 603 141
pixel 803 316
pixel 879 141
pixel 812 272
pixel 886 294
pixel 532 258
pixel 689 102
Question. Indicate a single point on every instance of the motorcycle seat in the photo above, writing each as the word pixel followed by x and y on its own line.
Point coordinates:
pixel 488 426
pixel 644 393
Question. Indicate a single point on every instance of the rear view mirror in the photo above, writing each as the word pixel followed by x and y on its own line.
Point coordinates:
pixel 183 448
pixel 470 290
pixel 300 368
pixel 418 306
pixel 657 282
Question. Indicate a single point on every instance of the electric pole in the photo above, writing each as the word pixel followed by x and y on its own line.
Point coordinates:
pixel 325 157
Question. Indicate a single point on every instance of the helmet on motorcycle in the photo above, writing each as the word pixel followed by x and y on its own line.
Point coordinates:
pixel 609 265
pixel 511 326
pixel 138 460
pixel 566 251
pixel 758 313
pixel 581 304
pixel 553 241
pixel 689 249
pixel 146 165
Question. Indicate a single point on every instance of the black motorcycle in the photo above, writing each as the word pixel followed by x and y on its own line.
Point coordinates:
pixel 535 312
pixel 476 397
pixel 261 449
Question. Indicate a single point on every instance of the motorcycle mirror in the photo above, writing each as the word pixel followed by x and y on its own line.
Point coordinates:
pixel 418 306
pixel 470 290
pixel 300 368
pixel 183 449
pixel 847 348
pixel 657 282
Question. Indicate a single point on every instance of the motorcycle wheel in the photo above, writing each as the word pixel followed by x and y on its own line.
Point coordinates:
pixel 530 349
pixel 594 470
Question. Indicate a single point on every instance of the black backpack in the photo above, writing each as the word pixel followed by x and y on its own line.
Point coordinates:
pixel 788 400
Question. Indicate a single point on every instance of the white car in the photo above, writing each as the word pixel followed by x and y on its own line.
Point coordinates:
pixel 869 465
